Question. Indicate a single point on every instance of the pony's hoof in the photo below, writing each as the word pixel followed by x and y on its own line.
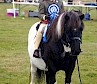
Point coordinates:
pixel 32 83
pixel 68 83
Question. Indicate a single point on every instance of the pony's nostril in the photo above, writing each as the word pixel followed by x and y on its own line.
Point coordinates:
pixel 76 52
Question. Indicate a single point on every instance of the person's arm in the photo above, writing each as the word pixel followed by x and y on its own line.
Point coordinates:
pixel 41 10
pixel 61 6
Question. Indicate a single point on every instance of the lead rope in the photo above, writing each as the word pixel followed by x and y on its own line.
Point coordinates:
pixel 79 71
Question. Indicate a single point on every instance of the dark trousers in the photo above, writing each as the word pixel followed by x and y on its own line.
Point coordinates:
pixel 70 1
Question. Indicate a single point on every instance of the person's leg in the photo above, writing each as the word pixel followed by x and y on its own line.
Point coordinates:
pixel 38 40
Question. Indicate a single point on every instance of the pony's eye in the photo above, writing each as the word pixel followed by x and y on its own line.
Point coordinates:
pixel 75 29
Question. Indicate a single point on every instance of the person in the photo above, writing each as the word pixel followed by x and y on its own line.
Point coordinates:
pixel 46 8
pixel 70 1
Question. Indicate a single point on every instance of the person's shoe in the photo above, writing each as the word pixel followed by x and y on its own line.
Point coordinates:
pixel 36 53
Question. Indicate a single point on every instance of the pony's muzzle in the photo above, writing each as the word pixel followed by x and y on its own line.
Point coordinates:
pixel 75 47
pixel 78 52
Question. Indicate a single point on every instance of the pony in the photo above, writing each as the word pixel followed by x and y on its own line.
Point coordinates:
pixel 62 46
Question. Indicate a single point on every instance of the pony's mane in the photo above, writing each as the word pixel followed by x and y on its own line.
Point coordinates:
pixel 73 20
pixel 57 26
pixel 54 31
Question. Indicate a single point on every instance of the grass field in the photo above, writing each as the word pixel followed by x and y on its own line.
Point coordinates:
pixel 14 59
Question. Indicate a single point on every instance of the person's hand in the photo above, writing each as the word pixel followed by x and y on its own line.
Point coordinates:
pixel 46 17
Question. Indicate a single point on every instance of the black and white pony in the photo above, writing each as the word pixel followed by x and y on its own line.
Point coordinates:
pixel 64 32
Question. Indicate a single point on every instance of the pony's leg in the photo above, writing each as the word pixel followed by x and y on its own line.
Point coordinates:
pixel 70 70
pixel 33 72
pixel 50 78
pixel 68 78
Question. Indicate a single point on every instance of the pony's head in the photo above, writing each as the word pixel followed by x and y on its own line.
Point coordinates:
pixel 68 27
pixel 72 33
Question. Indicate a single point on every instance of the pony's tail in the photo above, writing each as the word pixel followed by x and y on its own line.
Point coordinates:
pixel 40 76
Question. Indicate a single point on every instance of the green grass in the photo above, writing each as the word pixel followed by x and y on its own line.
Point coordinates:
pixel 14 59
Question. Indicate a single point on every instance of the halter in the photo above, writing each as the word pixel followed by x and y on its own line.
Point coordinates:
pixel 69 39
pixel 77 38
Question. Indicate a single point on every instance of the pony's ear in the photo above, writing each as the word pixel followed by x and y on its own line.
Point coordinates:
pixel 81 16
pixel 66 17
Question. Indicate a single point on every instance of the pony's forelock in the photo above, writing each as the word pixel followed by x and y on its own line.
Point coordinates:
pixel 58 27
